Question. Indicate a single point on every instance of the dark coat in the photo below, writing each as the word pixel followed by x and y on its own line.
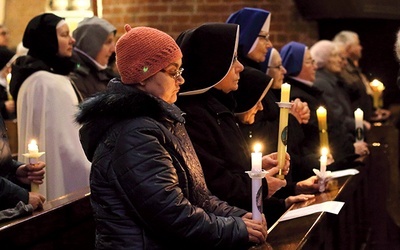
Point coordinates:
pixel 10 192
pixel 340 118
pixel 147 185
pixel 3 99
pixel 222 150
pixel 336 98
pixel 87 77
pixel 354 80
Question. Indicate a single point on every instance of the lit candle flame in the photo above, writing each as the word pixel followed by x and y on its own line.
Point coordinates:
pixel 377 85
pixel 8 78
pixel 257 147
pixel 324 151
pixel 33 147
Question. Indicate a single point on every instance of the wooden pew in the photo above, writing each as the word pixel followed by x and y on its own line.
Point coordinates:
pixel 63 223
pixel 365 221
pixel 12 133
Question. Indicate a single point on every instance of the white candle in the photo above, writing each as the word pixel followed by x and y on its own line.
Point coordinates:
pixel 33 147
pixel 256 198
pixel 256 158
pixel 359 117
pixel 377 89
pixel 33 150
pixel 256 183
pixel 285 92
pixel 323 160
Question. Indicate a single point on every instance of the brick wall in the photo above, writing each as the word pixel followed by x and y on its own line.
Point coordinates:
pixel 175 16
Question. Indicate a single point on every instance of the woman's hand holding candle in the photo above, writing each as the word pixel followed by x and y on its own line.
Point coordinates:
pixel 274 184
pixel 31 173
pixel 361 148
pixel 257 230
pixel 271 160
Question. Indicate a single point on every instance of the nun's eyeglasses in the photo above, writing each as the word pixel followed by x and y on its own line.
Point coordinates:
pixel 309 62
pixel 175 75
pixel 275 67
pixel 266 37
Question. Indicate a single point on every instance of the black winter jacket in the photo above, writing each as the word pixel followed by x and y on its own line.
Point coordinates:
pixel 147 185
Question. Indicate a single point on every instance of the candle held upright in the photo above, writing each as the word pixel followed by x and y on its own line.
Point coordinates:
pixel 33 157
pixel 284 106
pixel 256 174
pixel 323 127
pixel 377 89
pixel 323 161
pixel 359 130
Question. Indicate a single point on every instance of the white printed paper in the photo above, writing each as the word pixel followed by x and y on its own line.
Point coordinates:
pixel 333 207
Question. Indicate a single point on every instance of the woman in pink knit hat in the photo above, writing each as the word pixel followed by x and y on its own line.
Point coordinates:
pixel 147 185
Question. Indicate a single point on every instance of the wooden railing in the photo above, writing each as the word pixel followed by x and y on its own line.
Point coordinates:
pixel 64 223
pixel 371 211
pixel 365 221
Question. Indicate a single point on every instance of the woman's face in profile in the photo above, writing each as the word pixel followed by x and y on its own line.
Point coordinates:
pixel 231 80
pixel 262 45
pixel 65 41
pixel 165 84
pixel 334 63
pixel 276 70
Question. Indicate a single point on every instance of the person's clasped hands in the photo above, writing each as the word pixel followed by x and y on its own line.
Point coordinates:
pixel 300 111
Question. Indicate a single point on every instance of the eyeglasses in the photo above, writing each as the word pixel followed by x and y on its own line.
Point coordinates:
pixel 266 37
pixel 175 75
pixel 275 67
pixel 309 62
pixel 235 59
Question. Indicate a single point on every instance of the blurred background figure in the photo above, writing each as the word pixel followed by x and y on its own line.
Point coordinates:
pixel 95 45
pixel 358 86
pixel 4 36
pixel 334 93
pixel 7 104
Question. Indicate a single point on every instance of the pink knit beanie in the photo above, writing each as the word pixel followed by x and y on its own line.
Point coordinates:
pixel 142 52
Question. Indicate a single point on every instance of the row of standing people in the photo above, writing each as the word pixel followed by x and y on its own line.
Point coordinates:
pixel 47 78
pixel 148 174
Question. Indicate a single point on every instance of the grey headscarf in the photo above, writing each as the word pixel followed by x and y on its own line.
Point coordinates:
pixel 91 34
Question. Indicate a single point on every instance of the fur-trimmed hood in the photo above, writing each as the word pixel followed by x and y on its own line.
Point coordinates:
pixel 120 102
